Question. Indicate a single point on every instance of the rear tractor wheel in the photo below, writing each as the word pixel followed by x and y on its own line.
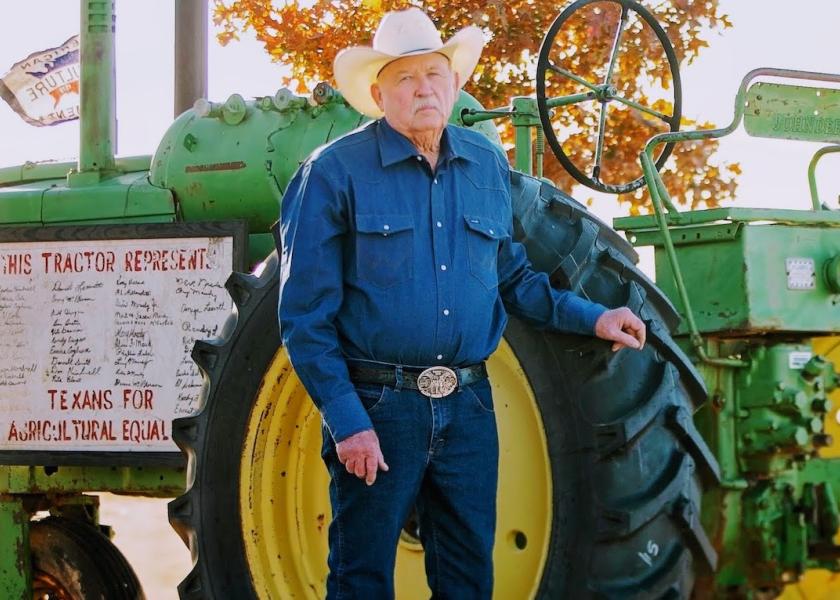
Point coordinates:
pixel 600 464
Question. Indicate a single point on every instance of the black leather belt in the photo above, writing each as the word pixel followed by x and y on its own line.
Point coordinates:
pixel 435 382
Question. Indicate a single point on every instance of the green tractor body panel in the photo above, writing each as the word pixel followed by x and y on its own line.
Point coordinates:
pixel 125 198
pixel 790 112
pixel 744 277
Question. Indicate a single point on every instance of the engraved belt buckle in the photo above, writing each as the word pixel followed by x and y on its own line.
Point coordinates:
pixel 437 382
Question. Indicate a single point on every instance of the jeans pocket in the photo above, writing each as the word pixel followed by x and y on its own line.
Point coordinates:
pixel 384 249
pixel 484 238
pixel 371 394
pixel 482 394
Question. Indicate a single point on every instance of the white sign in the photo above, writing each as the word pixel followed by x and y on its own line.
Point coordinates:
pixel 798 359
pixel 43 88
pixel 95 339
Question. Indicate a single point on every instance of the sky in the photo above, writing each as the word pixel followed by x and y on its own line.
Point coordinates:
pixel 765 33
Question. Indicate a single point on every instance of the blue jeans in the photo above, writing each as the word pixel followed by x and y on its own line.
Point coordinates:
pixel 443 458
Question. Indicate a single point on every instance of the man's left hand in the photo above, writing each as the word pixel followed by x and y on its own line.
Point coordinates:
pixel 621 326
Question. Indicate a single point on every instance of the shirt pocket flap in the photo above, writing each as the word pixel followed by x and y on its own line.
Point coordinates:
pixel 383 224
pixel 486 227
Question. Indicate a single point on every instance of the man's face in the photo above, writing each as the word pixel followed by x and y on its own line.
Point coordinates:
pixel 416 93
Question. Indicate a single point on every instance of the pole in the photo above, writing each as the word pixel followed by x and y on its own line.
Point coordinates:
pixel 98 127
pixel 190 53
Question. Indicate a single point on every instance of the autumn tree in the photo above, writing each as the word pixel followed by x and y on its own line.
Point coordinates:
pixel 307 34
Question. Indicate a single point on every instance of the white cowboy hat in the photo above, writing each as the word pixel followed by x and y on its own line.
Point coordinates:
pixel 401 33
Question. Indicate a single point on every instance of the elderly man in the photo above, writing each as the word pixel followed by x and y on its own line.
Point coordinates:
pixel 398 265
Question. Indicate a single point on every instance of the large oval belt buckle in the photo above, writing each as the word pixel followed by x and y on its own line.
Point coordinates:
pixel 437 382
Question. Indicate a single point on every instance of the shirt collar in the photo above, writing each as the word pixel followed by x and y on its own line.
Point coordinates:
pixel 394 147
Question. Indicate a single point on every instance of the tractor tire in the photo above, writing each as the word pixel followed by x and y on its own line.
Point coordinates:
pixel 73 560
pixel 601 468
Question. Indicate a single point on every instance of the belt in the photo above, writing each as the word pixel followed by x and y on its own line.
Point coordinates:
pixel 435 382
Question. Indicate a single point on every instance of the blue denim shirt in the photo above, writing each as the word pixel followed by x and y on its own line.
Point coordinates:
pixel 385 259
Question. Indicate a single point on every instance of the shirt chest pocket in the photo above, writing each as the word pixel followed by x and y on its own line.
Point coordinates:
pixel 384 249
pixel 484 236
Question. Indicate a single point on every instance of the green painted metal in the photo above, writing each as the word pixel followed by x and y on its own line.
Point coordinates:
pixel 775 514
pixel 781 406
pixel 740 279
pixel 732 214
pixel 57 480
pixel 791 112
pixel 15 571
pixel 661 200
pixel 254 143
pixel 125 198
pixel 29 172
pixel 812 177
pixel 524 117
pixel 98 124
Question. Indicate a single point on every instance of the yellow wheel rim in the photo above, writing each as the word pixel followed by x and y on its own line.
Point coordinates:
pixel 819 584
pixel 285 505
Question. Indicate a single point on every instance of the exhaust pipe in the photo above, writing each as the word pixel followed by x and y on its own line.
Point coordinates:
pixel 98 125
pixel 190 53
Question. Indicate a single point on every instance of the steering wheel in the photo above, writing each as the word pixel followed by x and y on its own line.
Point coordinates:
pixel 603 92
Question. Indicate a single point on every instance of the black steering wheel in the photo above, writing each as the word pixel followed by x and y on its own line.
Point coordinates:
pixel 604 92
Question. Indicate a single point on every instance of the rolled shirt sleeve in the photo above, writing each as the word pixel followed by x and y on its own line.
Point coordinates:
pixel 313 222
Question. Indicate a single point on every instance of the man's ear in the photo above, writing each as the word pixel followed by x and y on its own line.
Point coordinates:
pixel 376 93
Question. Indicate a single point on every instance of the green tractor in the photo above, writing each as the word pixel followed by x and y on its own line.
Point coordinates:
pixel 703 465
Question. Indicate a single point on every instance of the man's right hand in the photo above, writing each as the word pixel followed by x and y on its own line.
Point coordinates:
pixel 361 456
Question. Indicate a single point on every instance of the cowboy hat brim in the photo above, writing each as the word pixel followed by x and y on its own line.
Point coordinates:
pixel 356 68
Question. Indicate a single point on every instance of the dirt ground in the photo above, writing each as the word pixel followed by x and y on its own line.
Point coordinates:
pixel 143 535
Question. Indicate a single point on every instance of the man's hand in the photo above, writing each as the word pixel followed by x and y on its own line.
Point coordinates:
pixel 361 456
pixel 621 326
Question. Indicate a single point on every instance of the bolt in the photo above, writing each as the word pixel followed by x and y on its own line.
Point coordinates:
pixel 800 436
pixel 823 440
pixel 821 405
